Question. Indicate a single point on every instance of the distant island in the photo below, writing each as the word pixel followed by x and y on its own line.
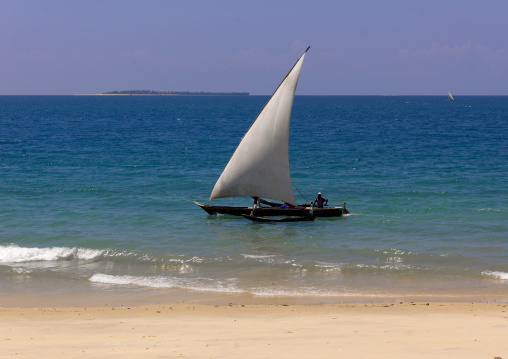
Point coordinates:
pixel 175 93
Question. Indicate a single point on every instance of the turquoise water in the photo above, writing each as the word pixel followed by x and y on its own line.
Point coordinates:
pixel 92 190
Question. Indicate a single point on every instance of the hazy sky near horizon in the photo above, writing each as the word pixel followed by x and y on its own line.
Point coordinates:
pixel 364 47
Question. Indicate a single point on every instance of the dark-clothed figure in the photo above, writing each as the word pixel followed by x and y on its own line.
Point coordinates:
pixel 320 201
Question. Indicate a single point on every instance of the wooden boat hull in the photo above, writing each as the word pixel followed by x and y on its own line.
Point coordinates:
pixel 328 211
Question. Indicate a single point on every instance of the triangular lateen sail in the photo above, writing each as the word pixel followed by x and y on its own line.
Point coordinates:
pixel 259 166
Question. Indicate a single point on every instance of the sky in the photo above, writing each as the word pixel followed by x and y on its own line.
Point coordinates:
pixel 361 47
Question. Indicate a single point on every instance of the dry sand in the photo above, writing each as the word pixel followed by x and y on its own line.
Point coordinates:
pixel 398 330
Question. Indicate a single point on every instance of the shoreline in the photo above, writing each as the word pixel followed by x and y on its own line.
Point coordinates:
pixel 105 297
pixel 361 330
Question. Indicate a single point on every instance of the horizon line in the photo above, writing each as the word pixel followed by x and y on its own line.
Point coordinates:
pixel 219 94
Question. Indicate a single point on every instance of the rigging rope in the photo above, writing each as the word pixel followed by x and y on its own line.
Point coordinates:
pixel 306 200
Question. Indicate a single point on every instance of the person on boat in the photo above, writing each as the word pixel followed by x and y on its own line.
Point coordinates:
pixel 320 201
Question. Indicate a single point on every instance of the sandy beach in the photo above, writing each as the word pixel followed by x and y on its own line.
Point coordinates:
pixel 387 330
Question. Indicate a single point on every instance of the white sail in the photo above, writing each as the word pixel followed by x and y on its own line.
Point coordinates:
pixel 260 165
pixel 450 97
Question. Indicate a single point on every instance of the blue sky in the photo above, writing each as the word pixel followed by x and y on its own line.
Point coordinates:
pixel 361 47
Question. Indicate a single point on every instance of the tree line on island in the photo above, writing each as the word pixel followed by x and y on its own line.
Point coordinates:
pixel 184 93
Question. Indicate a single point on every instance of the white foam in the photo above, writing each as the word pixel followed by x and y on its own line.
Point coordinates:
pixel 329 267
pixel 21 270
pixel 394 260
pixel 497 275
pixel 489 209
pixel 350 214
pixel 17 254
pixel 87 254
pixel 197 284
pixel 306 292
pixel 156 282
pixel 258 256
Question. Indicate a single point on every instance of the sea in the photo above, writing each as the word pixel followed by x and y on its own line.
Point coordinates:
pixel 96 201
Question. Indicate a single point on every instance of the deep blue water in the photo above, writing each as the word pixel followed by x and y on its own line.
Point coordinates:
pixel 91 191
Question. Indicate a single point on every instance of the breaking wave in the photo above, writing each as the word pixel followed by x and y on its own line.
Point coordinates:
pixel 496 275
pixel 17 254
